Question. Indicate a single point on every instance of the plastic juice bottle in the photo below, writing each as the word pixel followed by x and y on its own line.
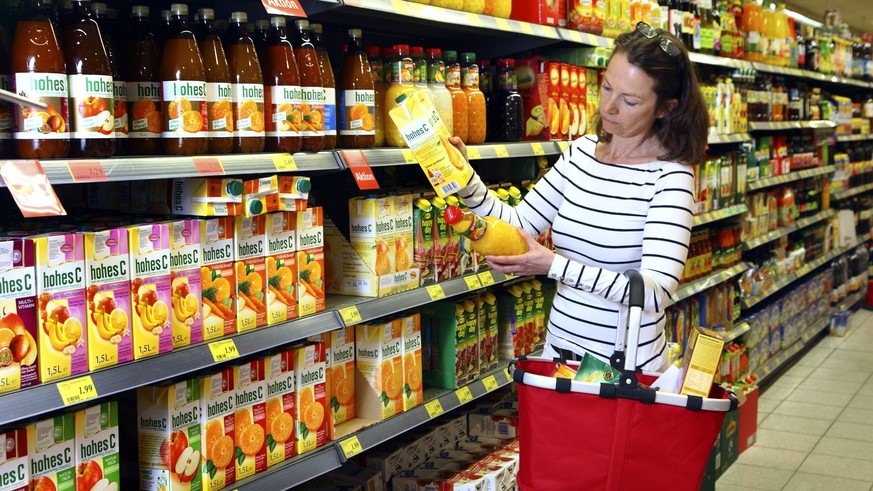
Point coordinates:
pixel 377 71
pixel 459 97
pixel 780 30
pixel 90 77
pixel 119 86
pixel 419 71
pixel 312 90
pixel 357 108
pixel 281 91
pixel 143 86
pixel 260 37
pixel 508 104
pixel 219 116
pixel 329 83
pixel 476 117
pixel 436 82
pixel 490 235
pixel 401 83
pixel 768 40
pixel 39 72
pixel 247 87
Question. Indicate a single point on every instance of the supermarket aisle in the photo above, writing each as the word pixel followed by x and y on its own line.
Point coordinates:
pixel 815 423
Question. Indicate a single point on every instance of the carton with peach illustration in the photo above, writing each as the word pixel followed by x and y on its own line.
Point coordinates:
pixel 107 294
pixel 280 408
pixel 185 254
pixel 310 378
pixel 250 453
pixel 217 429
pixel 310 261
pixel 97 448
pixel 281 267
pixel 168 418
pixel 150 289
pixel 14 460
pixel 342 383
pixel 18 324
pixel 413 394
pixel 217 278
pixel 51 453
pixel 250 237
pixel 61 309
pixel 379 373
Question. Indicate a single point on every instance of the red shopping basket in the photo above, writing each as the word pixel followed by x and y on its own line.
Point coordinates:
pixel 585 436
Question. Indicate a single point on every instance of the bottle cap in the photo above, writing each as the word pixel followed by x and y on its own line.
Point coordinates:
pixel 423 204
pixel 452 214
pixel 399 100
pixel 206 14
pixel 277 21
pixel 262 24
pixel 316 28
pixel 139 11
pixel 256 207
pixel 401 50
pixel 468 57
pixel 416 51
pixel 179 9
pixel 166 15
pixel 450 55
pixel 506 63
pixel 235 188
pixel 239 17
pixel 304 185
pixel 373 50
pixel 355 33
pixel 301 23
pixel 435 52
pixel 99 9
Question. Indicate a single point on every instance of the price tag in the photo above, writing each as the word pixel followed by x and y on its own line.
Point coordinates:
pixel 490 383
pixel 486 278
pixel 77 390
pixel 435 291
pixel 31 189
pixel 563 146
pixel 223 350
pixel 464 395
pixel 526 28
pixel 361 171
pixel 503 24
pixel 501 151
pixel 409 157
pixel 208 166
pixel 473 153
pixel 86 170
pixel 537 148
pixel 351 447
pixel 434 408
pixel 474 19
pixel 350 315
pixel 472 282
pixel 284 162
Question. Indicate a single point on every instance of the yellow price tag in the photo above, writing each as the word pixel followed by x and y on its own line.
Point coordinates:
pixel 563 146
pixel 435 291
pixel 284 162
pixel 526 28
pixel 350 315
pixel 434 408
pixel 223 350
pixel 77 390
pixel 474 19
pixel 490 383
pixel 537 148
pixel 351 447
pixel 486 278
pixel 501 151
pixel 473 153
pixel 503 24
pixel 464 395
pixel 409 157
pixel 473 282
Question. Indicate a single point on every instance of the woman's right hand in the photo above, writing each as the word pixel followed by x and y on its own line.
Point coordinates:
pixel 459 144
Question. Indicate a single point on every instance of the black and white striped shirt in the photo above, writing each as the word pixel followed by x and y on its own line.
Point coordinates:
pixel 606 219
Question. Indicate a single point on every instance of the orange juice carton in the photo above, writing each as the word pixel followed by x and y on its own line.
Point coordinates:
pixel 544 12
pixel 580 94
pixel 510 322
pixel 275 193
pixel 61 309
pixel 217 429
pixel 250 239
pixel 170 443
pixel 97 447
pixel 423 228
pixel 51 450
pixel 443 239
pixel 150 289
pixel 217 277
pixel 413 394
pixel 701 361
pixel 531 335
pixel 206 196
pixel 490 331
pixel 403 236
pixel 554 111
pixel 311 404
pixel 14 460
pixel 279 407
pixel 310 261
pixel 371 233
pixel 342 383
pixel 533 85
pixel 185 257
pixel 379 373
pixel 573 102
pixel 481 320
pixel 107 291
pixel 18 326
pixel 250 418
pixel 564 103
pixel 281 279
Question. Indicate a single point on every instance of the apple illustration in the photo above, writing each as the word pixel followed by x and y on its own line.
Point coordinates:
pixel 148 296
pixel 187 465
pixel 173 447
pixel 106 304
pixel 182 289
pixel 60 313
pixel 43 484
pixel 104 485
pixel 92 106
pixel 107 125
pixel 12 322
pixel 88 474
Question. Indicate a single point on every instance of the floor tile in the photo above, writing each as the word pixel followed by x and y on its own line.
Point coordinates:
pixel 839 364
pixel 860 401
pixel 796 424
pixel 850 353
pixel 862 416
pixel 808 410
pixel 755 476
pixel 832 398
pixel 837 374
pixel 800 370
pixel 721 486
pixel 785 440
pixel 844 467
pixel 832 341
pixel 777 393
pixel 788 460
pixel 860 345
pixel 850 431
pixel 787 382
pixel 803 481
pixel 819 385
pixel 842 447
pixel 767 405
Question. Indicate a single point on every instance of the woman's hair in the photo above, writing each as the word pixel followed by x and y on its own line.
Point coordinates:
pixel 682 131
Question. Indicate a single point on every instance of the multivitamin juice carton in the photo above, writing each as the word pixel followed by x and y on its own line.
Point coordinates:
pixel 217 429
pixel 150 289
pixel 14 461
pixel 97 448
pixel 250 418
pixel 281 267
pixel 18 326
pixel 185 258
pixel 423 223
pixel 280 422
pixel 250 237
pixel 52 453
pixel 217 278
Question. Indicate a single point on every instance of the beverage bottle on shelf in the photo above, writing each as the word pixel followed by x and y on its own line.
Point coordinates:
pixel 707 35
pixel 329 84
pixel 436 82
pixel 490 236
pixel 164 26
pixel 752 27
pixel 262 32
pixel 219 116
pixel 459 98
pixel 401 83
pixel 143 85
pixel 486 85
pixel 476 113
pixel 377 71
pixel 119 90
pixel 508 106
pixel 419 70
pixel 282 93
pixel 357 107
pixel 247 87
pixel 312 90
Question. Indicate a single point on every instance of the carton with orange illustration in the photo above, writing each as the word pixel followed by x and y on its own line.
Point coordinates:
pixel 107 291
pixel 61 309
pixel 533 85
pixel 413 394
pixel 14 460
pixel 250 237
pixel 217 278
pixel 311 404
pixel 280 408
pixel 150 289
pixel 342 421
pixel 217 429
pixel 18 326
pixel 379 370
pixel 206 196
pixel 403 234
pixel 281 267
pixel 51 453
pixel 97 447
pixel 185 254
pixel 250 454
pixel 310 261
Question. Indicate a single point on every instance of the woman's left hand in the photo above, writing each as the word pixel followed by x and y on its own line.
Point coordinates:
pixel 536 261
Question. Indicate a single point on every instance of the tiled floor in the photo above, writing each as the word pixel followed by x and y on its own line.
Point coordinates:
pixel 815 423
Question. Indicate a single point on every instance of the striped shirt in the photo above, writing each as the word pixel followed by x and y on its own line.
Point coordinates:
pixel 606 219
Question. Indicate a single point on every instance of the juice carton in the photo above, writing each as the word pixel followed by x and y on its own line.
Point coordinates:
pixel 371 232
pixel 539 311
pixel 490 332
pixel 531 336
pixel 310 261
pixel 536 11
pixel 456 244
pixel 471 341
pixel 51 449
pixel 554 111
pixel 250 418
pixel 443 239
pixel 107 282
pixel 564 103
pixel 281 267
pixel 14 461
pixel 150 289
pixel 185 256
pixel 586 16
pixel 581 96
pixel 481 319
pixel 510 322
pixel 62 313
pixel 169 436
pixel 423 224
pixel 275 193
pixel 206 196
pixel 403 238
pixel 217 429
pixel 410 326
pixel 592 97
pixel 311 404
pixel 379 373
pixel 18 326
pixel 217 278
pixel 279 408
pixel 341 344
pixel 97 448
pixel 533 85
pixel 250 237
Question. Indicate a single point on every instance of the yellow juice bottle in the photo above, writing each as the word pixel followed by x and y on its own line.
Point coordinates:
pixel 250 238
pixel 107 280
pixel 217 278
pixel 400 78
pixel 150 289
pixel 185 256
pixel 279 409
pixel 490 235
pixel 281 267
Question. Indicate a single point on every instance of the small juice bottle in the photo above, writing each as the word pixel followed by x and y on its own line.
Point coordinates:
pixel 357 108
pixel 312 103
pixel 248 87
pixel 476 124
pixel 143 86
pixel 218 88
pixel 401 83
pixel 460 124
pixel 329 84
pixel 282 93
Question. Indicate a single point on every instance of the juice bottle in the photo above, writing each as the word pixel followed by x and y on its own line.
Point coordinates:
pixel 119 87
pixel 476 124
pixel 248 87
pixel 260 36
pixel 401 83
pixel 329 84
pixel 459 98
pixel 436 81
pixel 39 72
pixel 163 29
pixel 508 104
pixel 312 90
pixel 184 89
pixel 357 108
pixel 377 70
pixel 90 78
pixel 143 85
pixel 490 235
pixel 218 88
pixel 767 41
pixel 282 98
pixel 419 70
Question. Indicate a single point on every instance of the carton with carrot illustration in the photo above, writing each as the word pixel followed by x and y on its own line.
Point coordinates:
pixel 250 237
pixel 281 267
pixel 51 450
pixel 217 277
pixel 217 429
pixel 185 254
pixel 150 289
pixel 410 326
pixel 275 193
pixel 18 324
pixel 107 280
pixel 206 196
pixel 342 383
pixel 97 447
pixel 280 408
pixel 250 454
pixel 379 370
pixel 311 404
pixel 310 261
pixel 14 460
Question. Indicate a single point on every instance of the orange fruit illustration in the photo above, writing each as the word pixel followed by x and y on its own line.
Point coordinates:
pixel 368 122
pixel 391 383
pixel 285 107
pixel 242 419
pixel 6 336
pixel 178 107
pixel 342 387
pixel 154 121
pixel 246 108
pixel 313 416
pixel 214 431
pixel 228 122
pixel 306 398
pixel 142 108
pixel 222 452
pixel 358 111
pixel 412 371
pixel 281 427
pixel 257 121
pixel 251 439
pixel 220 109
pixel 192 121
pixel 223 287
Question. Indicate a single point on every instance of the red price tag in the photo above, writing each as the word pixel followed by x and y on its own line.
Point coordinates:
pixel 284 7
pixel 361 171
pixel 31 189
pixel 208 166
pixel 87 170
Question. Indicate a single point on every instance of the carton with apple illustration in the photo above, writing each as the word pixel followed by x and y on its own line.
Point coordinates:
pixel 185 254
pixel 250 237
pixel 311 404
pixel 250 456
pixel 217 278
pixel 107 294
pixel 18 324
pixel 217 429
pixel 279 408
pixel 97 449
pixel 168 418
pixel 51 446
pixel 61 309
pixel 281 267
pixel 14 461
pixel 150 289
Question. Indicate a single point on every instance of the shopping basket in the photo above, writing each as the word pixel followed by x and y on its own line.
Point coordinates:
pixel 586 436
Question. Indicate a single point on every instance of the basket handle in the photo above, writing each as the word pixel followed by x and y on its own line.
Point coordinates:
pixel 629 332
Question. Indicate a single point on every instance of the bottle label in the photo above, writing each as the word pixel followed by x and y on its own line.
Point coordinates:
pixel 33 124
pixel 219 114
pixel 312 111
pixel 453 76
pixel 184 109
pixel 144 109
pixel 93 108
pixel 5 110
pixel 285 116
pixel 119 94
pixel 688 23
pixel 248 102
pixel 357 112
pixel 470 76
pixel 329 111
pixel 436 74
pixel 478 228
pixel 401 71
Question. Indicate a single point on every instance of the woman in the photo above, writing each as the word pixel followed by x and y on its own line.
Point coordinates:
pixel 616 202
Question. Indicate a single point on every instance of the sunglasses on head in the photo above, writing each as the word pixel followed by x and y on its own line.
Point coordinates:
pixel 666 45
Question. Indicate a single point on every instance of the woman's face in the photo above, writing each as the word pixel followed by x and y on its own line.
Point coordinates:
pixel 628 103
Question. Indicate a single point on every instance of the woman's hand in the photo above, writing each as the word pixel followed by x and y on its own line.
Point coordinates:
pixel 536 261
pixel 456 141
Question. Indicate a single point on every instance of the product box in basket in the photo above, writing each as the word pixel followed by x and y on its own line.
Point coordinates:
pixel 97 447
pixel 18 326
pixel 206 196
pixel 107 291
pixel 61 308
pixel 544 12
pixel 14 461
pixel 217 429
pixel 341 344
pixel 423 225
pixel 185 286
pixel 168 417
pixel 279 408
pixel 413 394
pixel 310 261
pixel 250 241
pixel 51 451
pixel 533 85
pixel 150 289
pixel 444 347
pixel 311 404
pixel 281 267
pixel 217 278
pixel 701 361
pixel 379 370
pixel 250 454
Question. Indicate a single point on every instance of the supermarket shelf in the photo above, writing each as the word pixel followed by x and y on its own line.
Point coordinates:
pixel 380 157
pixel 764 67
pixel 782 232
pixel 714 216
pixel 791 125
pixel 773 364
pixel 767 182
pixel 736 332
pixel 708 282
pixel 731 138
pixel 848 193
pixel 585 38
pixel 854 138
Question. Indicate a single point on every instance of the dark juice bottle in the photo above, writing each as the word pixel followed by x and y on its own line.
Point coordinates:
pixel 282 97
pixel 248 87
pixel 219 116
pixel 143 86
pixel 508 106
pixel 312 90
pixel 329 84
pixel 262 31
pixel 92 118
pixel 119 86
pixel 357 108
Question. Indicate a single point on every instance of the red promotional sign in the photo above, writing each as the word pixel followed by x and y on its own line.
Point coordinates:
pixel 31 189
pixel 284 7
pixel 361 171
